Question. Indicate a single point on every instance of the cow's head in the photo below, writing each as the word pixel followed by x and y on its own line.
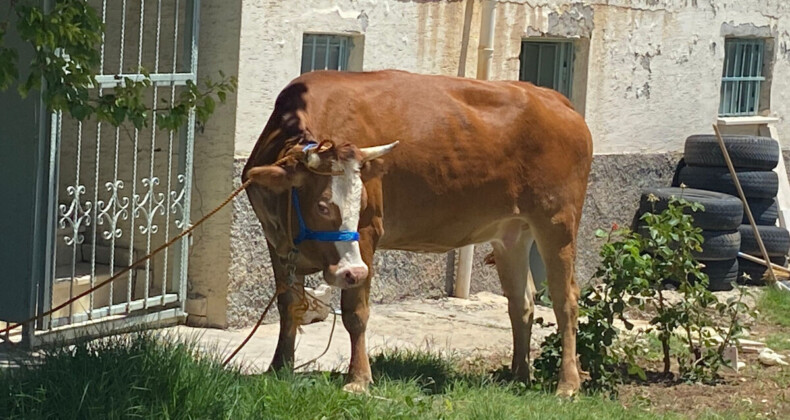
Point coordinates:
pixel 325 186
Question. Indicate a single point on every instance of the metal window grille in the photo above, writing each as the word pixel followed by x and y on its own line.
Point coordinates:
pixel 325 52
pixel 122 191
pixel 548 64
pixel 742 77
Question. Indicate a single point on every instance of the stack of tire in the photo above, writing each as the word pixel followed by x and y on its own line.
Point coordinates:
pixel 719 223
pixel 754 159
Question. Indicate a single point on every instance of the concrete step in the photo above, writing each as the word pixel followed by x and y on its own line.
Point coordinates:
pixel 81 281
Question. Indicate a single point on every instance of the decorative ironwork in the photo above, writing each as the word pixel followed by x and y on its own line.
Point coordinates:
pixel 155 203
pixel 177 202
pixel 74 214
pixel 116 207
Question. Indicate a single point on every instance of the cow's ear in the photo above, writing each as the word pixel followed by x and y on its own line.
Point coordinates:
pixel 372 169
pixel 275 177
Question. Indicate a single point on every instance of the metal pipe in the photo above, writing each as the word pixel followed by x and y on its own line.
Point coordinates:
pixel 485 53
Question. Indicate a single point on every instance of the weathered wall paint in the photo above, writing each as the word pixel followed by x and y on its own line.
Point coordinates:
pixel 653 74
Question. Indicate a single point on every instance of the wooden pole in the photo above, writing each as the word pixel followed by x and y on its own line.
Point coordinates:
pixel 745 203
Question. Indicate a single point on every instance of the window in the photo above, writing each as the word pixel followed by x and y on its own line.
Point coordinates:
pixel 742 77
pixel 325 52
pixel 548 64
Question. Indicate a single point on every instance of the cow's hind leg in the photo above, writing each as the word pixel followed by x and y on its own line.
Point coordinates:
pixel 512 263
pixel 556 240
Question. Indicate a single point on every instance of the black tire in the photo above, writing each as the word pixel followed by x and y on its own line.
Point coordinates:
pixel 722 211
pixel 719 245
pixel 764 211
pixel 746 152
pixel 721 274
pixel 776 240
pixel 756 272
pixel 755 184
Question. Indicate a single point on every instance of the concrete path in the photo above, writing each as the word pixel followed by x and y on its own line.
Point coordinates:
pixel 478 326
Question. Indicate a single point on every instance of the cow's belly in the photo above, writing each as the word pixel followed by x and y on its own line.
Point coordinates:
pixel 418 219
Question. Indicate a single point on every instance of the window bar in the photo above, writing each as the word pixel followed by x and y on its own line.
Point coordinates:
pixel 134 176
pixel 76 240
pixel 557 75
pixel 116 184
pixel 312 63
pixel 738 73
pixel 154 205
pixel 759 73
pixel 326 53
pixel 54 141
pixel 98 141
pixel 736 85
pixel 743 83
pixel 571 56
pixel 751 91
pixel 540 59
pixel 96 215
pixel 341 64
pixel 731 73
pixel 725 84
pixel 135 197
pixel 170 157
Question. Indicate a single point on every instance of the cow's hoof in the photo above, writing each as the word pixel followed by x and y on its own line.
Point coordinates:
pixel 356 387
pixel 566 390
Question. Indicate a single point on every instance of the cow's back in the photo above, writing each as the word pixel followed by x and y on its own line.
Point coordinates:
pixel 471 152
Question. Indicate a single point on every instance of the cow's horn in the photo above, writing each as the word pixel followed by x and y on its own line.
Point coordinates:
pixel 370 153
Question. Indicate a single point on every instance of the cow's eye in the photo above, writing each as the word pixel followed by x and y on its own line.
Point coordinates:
pixel 323 209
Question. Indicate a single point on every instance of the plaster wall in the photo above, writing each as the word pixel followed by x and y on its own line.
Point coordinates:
pixel 647 72
pixel 647 75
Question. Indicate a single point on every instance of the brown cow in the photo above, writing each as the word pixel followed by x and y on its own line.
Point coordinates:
pixel 503 162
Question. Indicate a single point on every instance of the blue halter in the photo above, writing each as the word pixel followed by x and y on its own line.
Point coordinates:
pixel 305 234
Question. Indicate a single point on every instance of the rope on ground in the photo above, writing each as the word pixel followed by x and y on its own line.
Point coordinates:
pixel 135 264
pixel 304 295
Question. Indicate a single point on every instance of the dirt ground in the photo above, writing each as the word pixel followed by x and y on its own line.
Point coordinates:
pixel 477 331
pixel 478 327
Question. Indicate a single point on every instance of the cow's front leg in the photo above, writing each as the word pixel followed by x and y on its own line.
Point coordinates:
pixel 284 353
pixel 356 310
pixel 286 342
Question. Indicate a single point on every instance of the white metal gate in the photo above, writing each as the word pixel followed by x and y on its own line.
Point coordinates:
pixel 121 192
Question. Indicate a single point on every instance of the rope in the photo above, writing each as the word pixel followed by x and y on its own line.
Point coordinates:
pixel 303 293
pixel 136 263
pixel 278 292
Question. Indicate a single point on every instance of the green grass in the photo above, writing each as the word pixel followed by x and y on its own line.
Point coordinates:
pixel 139 376
pixel 778 341
pixel 774 306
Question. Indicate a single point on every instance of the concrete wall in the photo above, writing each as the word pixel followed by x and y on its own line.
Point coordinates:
pixel 209 257
pixel 647 75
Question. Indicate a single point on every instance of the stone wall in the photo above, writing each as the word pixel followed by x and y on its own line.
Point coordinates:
pixel 612 197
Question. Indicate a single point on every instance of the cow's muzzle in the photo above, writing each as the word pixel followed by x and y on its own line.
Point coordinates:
pixel 346 277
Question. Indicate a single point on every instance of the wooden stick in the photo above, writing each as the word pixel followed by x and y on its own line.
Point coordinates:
pixel 754 259
pixel 745 204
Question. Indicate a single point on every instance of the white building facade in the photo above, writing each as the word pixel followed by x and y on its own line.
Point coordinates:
pixel 646 74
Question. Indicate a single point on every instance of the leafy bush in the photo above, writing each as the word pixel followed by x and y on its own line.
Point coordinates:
pixel 634 268
pixel 67 41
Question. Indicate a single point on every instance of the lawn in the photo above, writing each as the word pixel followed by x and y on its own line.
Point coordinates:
pixel 774 306
pixel 139 376
pixel 144 376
